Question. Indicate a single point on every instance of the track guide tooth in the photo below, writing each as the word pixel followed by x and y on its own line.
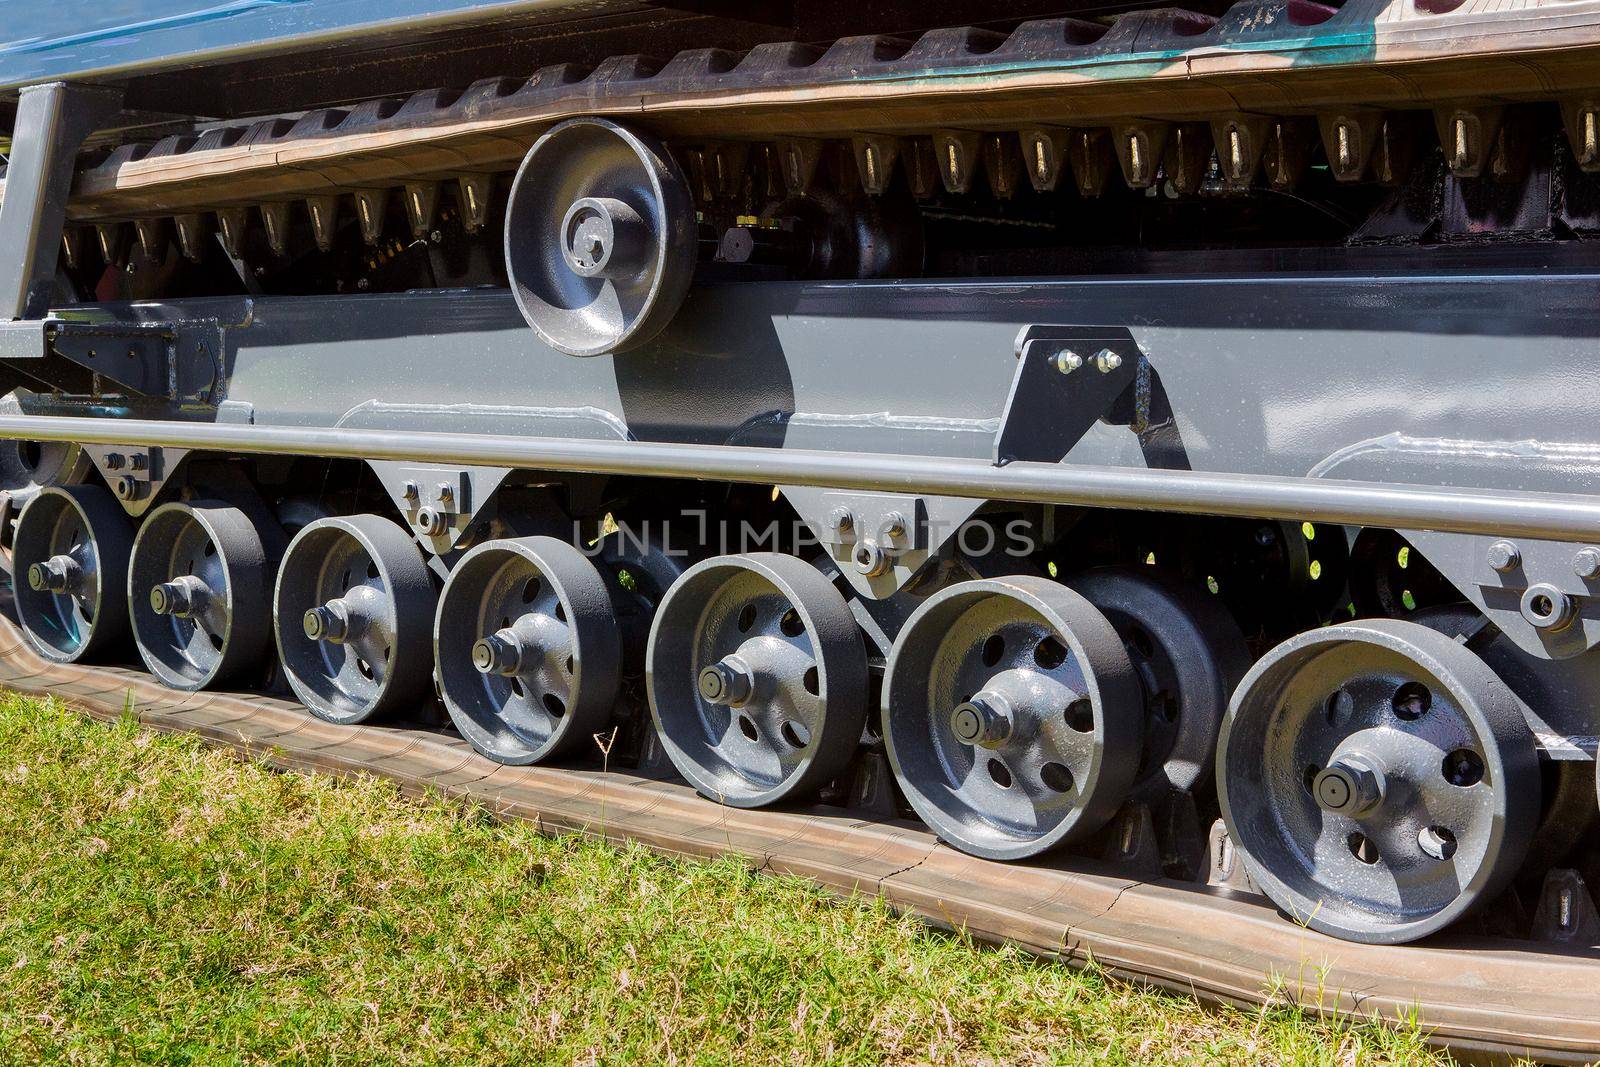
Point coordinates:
pixel 1044 150
pixel 1468 133
pixel 768 166
pixel 917 157
pixel 371 204
pixel 1092 159
pixel 1240 140
pixel 1349 139
pixel 275 220
pixel 798 158
pixel 72 238
pixel 876 156
pixel 152 238
pixel 957 153
pixel 1140 146
pixel 192 231
pixel 474 193
pixel 1582 120
pixel 324 214
pixel 1288 151
pixel 231 224
pixel 422 207
pixel 1002 164
pixel 1188 156
pixel 114 240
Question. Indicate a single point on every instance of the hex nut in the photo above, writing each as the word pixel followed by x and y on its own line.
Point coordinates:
pixel 1586 563
pixel 1504 556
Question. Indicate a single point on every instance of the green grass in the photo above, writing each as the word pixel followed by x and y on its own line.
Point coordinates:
pixel 162 902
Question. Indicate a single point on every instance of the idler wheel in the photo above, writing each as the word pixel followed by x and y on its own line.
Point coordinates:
pixel 600 238
pixel 528 649
pixel 200 594
pixel 1012 715
pixel 1188 653
pixel 353 610
pixel 71 549
pixel 757 677
pixel 1379 780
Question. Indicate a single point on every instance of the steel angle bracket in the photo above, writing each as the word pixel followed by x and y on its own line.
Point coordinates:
pixel 1543 595
pixel 180 362
pixel 136 473
pixel 1067 379
pixel 439 503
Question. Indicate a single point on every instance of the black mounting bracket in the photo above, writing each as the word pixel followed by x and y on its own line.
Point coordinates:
pixel 1067 379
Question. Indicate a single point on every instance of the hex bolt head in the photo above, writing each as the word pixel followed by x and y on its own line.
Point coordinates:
pixel 58 574
pixel 115 461
pixel 411 492
pixel 1348 786
pixel 895 524
pixel 1586 563
pixel 1107 361
pixel 984 720
pixel 138 461
pixel 1504 556
pixel 841 520
pixel 331 622
pixel 1066 361
pixel 499 653
pixel 446 492
pixel 183 597
pixel 727 682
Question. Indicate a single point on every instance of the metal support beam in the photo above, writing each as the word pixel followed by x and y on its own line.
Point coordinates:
pixel 52 122
pixel 1508 513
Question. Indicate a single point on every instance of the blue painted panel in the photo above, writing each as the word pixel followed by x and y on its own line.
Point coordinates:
pixel 67 39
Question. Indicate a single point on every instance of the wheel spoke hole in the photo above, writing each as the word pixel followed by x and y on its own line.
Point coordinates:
pixel 516 687
pixel 567 665
pixel 1056 776
pixel 809 680
pixel 365 669
pixel 1080 715
pixel 216 642
pixel 530 590
pixel 795 733
pixel 1437 841
pixel 791 624
pixel 993 649
pixel 1139 641
pixel 1049 654
pixel 372 571
pixel 1361 847
pixel 505 622
pixel 211 549
pixel 747 726
pixel 1412 701
pixel 561 612
pixel 1463 768
pixel 747 618
pixel 1164 706
pixel 553 705
pixel 1339 706
pixel 1309 778
pixel 1001 776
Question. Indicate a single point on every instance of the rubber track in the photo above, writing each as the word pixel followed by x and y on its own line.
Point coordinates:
pixel 1475 994
pixel 1263 56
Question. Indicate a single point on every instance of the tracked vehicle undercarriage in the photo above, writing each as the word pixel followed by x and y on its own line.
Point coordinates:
pixel 1143 436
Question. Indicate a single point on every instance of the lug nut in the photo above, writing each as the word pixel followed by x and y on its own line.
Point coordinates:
pixel 1107 361
pixel 182 597
pixel 58 574
pixel 727 682
pixel 984 720
pixel 499 653
pixel 1504 556
pixel 841 520
pixel 1348 787
pixel 332 622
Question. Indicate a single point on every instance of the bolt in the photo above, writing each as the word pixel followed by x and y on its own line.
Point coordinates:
pixel 1504 556
pixel 184 597
pixel 430 521
pixel 411 492
pixel 127 487
pixel 138 461
pixel 840 520
pixel 729 681
pixel 1107 361
pixel 1266 536
pixel 1348 786
pixel 58 574
pixel 447 492
pixel 984 720
pixel 115 461
pixel 499 653
pixel 1066 361
pixel 332 622
pixel 1586 564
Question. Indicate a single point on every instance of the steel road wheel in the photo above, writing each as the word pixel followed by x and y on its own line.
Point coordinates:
pixel 1012 715
pixel 528 649
pixel 757 677
pixel 72 546
pixel 1188 653
pixel 1378 778
pixel 199 594
pixel 353 610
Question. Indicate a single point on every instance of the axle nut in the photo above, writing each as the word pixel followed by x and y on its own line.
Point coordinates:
pixel 984 720
pixel 1348 787
pixel 726 682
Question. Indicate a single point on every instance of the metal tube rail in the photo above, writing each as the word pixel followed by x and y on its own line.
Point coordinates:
pixel 1555 516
